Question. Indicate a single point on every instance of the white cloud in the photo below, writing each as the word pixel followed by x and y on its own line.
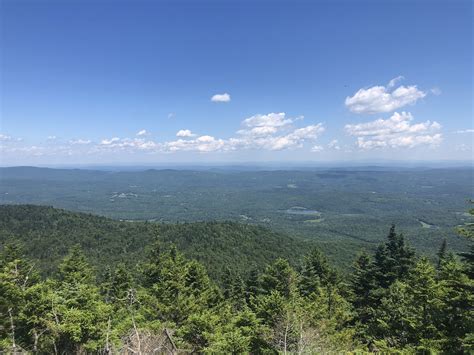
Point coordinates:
pixel 379 99
pixel 269 120
pixel 109 141
pixel 171 115
pixel 142 133
pixel 394 81
pixel 80 141
pixel 4 137
pixel 274 131
pixel 334 144
pixel 201 144
pixel 225 97
pixel 52 138
pixel 461 131
pixel 317 149
pixel 185 133
pixel 128 144
pixel 395 132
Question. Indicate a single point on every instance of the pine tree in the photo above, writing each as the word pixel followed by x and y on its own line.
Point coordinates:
pixel 316 272
pixel 442 252
pixel 456 319
pixel 362 286
pixel 79 312
pixel 425 295
pixel 467 230
pixel 393 260
pixel 252 285
pixel 233 288
pixel 279 277
pixel 17 276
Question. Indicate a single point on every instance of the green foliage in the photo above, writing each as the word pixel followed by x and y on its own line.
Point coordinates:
pixel 393 301
pixel 49 233
pixel 408 304
pixel 353 205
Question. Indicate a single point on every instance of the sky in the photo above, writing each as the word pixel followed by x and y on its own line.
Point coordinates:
pixel 134 82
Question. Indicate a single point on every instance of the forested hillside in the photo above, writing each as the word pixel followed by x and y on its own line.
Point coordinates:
pixel 48 233
pixel 343 210
pixel 393 300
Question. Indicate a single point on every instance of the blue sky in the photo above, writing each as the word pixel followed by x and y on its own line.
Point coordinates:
pixel 133 81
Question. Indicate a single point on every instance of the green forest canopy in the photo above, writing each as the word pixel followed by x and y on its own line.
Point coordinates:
pixel 48 233
pixel 393 300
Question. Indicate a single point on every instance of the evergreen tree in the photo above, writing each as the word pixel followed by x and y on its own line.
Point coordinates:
pixel 457 317
pixel 79 312
pixel 316 272
pixel 363 285
pixel 233 288
pixel 252 285
pixel 279 277
pixel 442 252
pixel 393 260
pixel 17 275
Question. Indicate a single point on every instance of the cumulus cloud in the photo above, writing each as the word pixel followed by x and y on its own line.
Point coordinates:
pixel 269 120
pixel 185 133
pixel 378 99
pixel 142 133
pixel 52 138
pixel 395 132
pixel 274 131
pixel 225 97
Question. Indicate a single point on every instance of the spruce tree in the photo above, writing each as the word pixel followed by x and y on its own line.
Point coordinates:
pixel 316 272
pixel 442 252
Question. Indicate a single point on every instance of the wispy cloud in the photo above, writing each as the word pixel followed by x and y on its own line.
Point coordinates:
pixel 80 141
pixel 395 81
pixel 436 91
pixel 462 131
pixel 142 133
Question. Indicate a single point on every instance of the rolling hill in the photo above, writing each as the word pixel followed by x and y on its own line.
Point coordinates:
pixel 47 233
